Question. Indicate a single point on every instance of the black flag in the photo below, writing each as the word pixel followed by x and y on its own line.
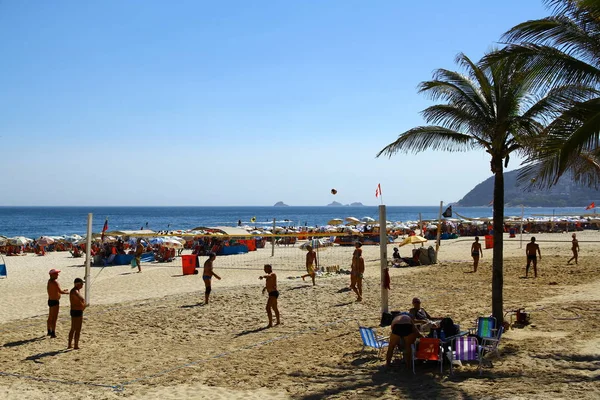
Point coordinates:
pixel 448 212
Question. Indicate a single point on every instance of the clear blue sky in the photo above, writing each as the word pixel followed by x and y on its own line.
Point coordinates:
pixel 231 102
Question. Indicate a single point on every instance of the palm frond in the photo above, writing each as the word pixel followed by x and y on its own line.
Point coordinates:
pixel 550 66
pixel 456 89
pixel 454 118
pixel 429 138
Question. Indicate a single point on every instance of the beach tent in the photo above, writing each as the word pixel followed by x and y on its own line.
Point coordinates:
pixel 3 273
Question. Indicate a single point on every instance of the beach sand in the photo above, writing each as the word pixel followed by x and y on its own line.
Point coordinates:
pixel 149 336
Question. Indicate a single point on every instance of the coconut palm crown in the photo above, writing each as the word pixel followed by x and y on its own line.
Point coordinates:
pixel 564 49
pixel 492 107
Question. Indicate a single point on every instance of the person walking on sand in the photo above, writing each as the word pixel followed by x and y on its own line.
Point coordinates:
pixel 476 252
pixel 271 288
pixel 574 249
pixel 207 275
pixel 139 250
pixel 311 263
pixel 77 307
pixel 357 271
pixel 531 249
pixel 54 293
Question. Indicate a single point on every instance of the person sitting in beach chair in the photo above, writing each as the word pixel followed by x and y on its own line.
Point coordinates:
pixel 76 253
pixel 111 256
pixel 421 318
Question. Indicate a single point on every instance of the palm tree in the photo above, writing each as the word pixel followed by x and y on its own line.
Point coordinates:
pixel 491 107
pixel 564 49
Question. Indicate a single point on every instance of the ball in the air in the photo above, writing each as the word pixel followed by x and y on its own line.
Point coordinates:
pixel 333 191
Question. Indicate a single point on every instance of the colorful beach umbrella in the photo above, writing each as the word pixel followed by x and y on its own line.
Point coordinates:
pixel 412 240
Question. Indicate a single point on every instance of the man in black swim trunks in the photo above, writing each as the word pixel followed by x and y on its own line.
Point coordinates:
pixel 54 293
pixel 531 249
pixel 77 307
pixel 271 288
pixel 207 275
pixel 405 333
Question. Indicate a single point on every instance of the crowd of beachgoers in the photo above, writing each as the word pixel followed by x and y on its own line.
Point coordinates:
pixel 203 240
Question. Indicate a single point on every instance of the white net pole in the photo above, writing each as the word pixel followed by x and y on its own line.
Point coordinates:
pixel 88 259
pixel 383 255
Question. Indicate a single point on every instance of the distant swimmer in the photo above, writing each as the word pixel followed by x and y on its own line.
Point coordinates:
pixel 574 249
pixel 476 252
pixel 77 307
pixel 311 263
pixel 271 288
pixel 54 292
pixel 531 249
pixel 207 275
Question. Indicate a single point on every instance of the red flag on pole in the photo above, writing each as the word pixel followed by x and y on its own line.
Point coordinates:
pixel 378 190
pixel 592 205
pixel 104 229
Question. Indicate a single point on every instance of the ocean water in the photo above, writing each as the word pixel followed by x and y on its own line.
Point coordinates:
pixel 34 222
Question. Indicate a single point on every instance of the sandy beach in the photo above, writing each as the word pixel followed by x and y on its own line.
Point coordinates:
pixel 149 336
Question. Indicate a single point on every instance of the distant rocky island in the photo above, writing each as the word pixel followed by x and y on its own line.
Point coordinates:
pixel 336 204
pixel 564 194
pixel 280 204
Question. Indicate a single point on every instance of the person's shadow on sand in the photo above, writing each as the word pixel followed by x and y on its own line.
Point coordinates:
pixel 22 342
pixel 193 305
pixel 36 357
pixel 251 331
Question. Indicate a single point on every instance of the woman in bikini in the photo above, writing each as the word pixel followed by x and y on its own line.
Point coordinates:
pixel 476 252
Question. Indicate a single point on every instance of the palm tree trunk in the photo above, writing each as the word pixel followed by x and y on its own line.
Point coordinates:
pixel 497 259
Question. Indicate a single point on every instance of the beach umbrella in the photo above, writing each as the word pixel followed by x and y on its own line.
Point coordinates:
pixel 72 238
pixel 179 239
pixel 412 240
pixel 19 241
pixel 45 241
pixel 172 244
pixel 335 221
pixel 157 240
pixel 353 220
pixel 133 242
pixel 368 220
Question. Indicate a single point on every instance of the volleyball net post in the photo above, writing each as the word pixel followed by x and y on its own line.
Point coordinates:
pixel 383 257
pixel 88 259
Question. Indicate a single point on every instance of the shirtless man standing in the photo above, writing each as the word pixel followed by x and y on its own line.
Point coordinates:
pixel 476 252
pixel 77 307
pixel 531 250
pixel 574 249
pixel 311 262
pixel 357 271
pixel 271 288
pixel 54 293
pixel 207 275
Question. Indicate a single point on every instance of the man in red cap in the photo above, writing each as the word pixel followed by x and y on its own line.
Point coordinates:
pixel 54 293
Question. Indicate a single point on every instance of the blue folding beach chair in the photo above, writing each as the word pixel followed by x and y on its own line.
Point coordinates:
pixel 371 339
pixel 3 273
